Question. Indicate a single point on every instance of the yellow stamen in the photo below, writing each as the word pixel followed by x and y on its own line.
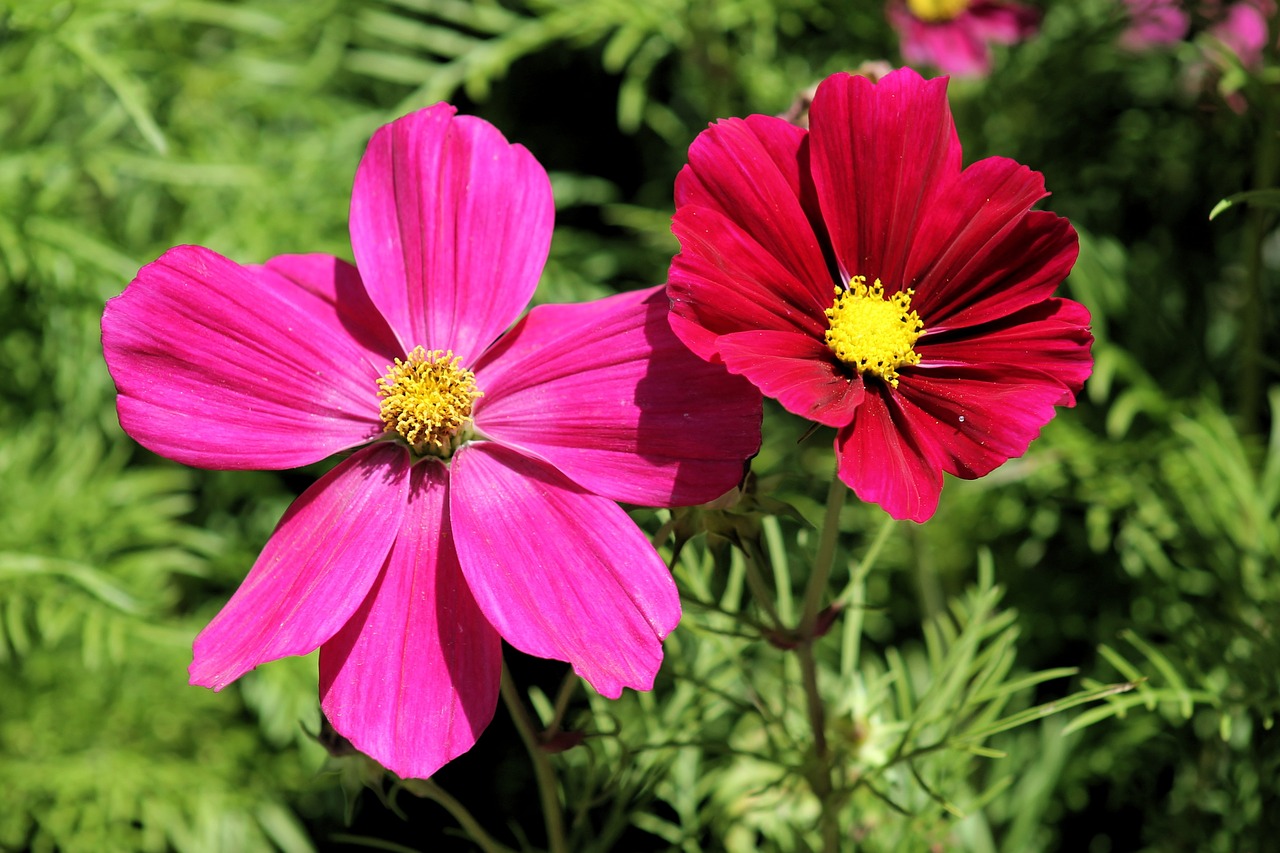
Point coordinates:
pixel 871 332
pixel 935 11
pixel 427 399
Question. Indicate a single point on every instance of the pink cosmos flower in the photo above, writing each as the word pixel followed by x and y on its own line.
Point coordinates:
pixel 478 503
pixel 855 273
pixel 1243 31
pixel 1154 23
pixel 955 36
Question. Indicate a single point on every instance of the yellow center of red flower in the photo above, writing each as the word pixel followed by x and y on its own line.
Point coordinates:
pixel 427 399
pixel 873 333
pixel 937 10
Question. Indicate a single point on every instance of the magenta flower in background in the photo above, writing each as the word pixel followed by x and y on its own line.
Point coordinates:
pixel 955 36
pixel 1154 23
pixel 855 273
pixel 479 501
pixel 1243 31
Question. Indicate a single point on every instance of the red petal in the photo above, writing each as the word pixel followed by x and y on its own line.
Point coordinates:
pixel 882 153
pixel 1051 336
pixel 981 255
pixel 723 282
pixel 885 459
pixel 749 255
pixel 980 417
pixel 799 372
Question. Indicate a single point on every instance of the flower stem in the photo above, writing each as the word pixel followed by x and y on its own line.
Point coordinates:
pixel 820 775
pixel 1252 377
pixel 542 769
pixel 823 560
pixel 430 790
pixel 565 693
pixel 752 561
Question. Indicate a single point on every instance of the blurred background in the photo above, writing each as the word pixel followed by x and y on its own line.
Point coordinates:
pixel 1137 541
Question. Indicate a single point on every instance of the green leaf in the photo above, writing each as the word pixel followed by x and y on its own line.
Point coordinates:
pixel 1261 198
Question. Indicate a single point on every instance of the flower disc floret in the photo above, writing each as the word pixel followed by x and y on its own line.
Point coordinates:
pixel 873 333
pixel 427 398
pixel 937 10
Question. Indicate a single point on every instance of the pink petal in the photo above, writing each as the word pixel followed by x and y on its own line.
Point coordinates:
pixel 796 370
pixel 749 255
pixel 315 570
pixel 1155 23
pixel 882 154
pixel 560 573
pixel 221 366
pixel 1243 30
pixel 412 678
pixel 338 283
pixel 1001 22
pixel 980 416
pixel 886 460
pixel 1051 337
pixel 950 46
pixel 980 255
pixel 450 225
pixel 607 394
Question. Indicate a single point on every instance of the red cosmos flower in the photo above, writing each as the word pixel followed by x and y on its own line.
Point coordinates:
pixel 855 273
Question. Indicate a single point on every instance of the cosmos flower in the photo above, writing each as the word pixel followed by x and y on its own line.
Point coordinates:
pixel 1154 23
pixel 478 503
pixel 955 36
pixel 855 273
pixel 1242 31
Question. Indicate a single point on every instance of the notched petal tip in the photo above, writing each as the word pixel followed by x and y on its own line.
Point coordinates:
pixel 561 573
pixel 450 226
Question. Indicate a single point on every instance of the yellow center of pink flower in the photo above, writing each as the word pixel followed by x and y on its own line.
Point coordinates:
pixel 935 11
pixel 873 333
pixel 427 399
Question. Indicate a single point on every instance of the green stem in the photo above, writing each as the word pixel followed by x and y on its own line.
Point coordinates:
pixel 542 769
pixel 1251 375
pixel 820 776
pixel 823 560
pixel 430 790
pixel 751 558
pixel 567 687
pixel 854 600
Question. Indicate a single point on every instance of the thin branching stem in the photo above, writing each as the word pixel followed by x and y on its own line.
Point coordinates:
pixel 563 696
pixel 543 771
pixel 751 558
pixel 430 790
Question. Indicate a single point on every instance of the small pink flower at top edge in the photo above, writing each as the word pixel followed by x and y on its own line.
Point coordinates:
pixel 478 503
pixel 955 36
pixel 1154 23
pixel 855 273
